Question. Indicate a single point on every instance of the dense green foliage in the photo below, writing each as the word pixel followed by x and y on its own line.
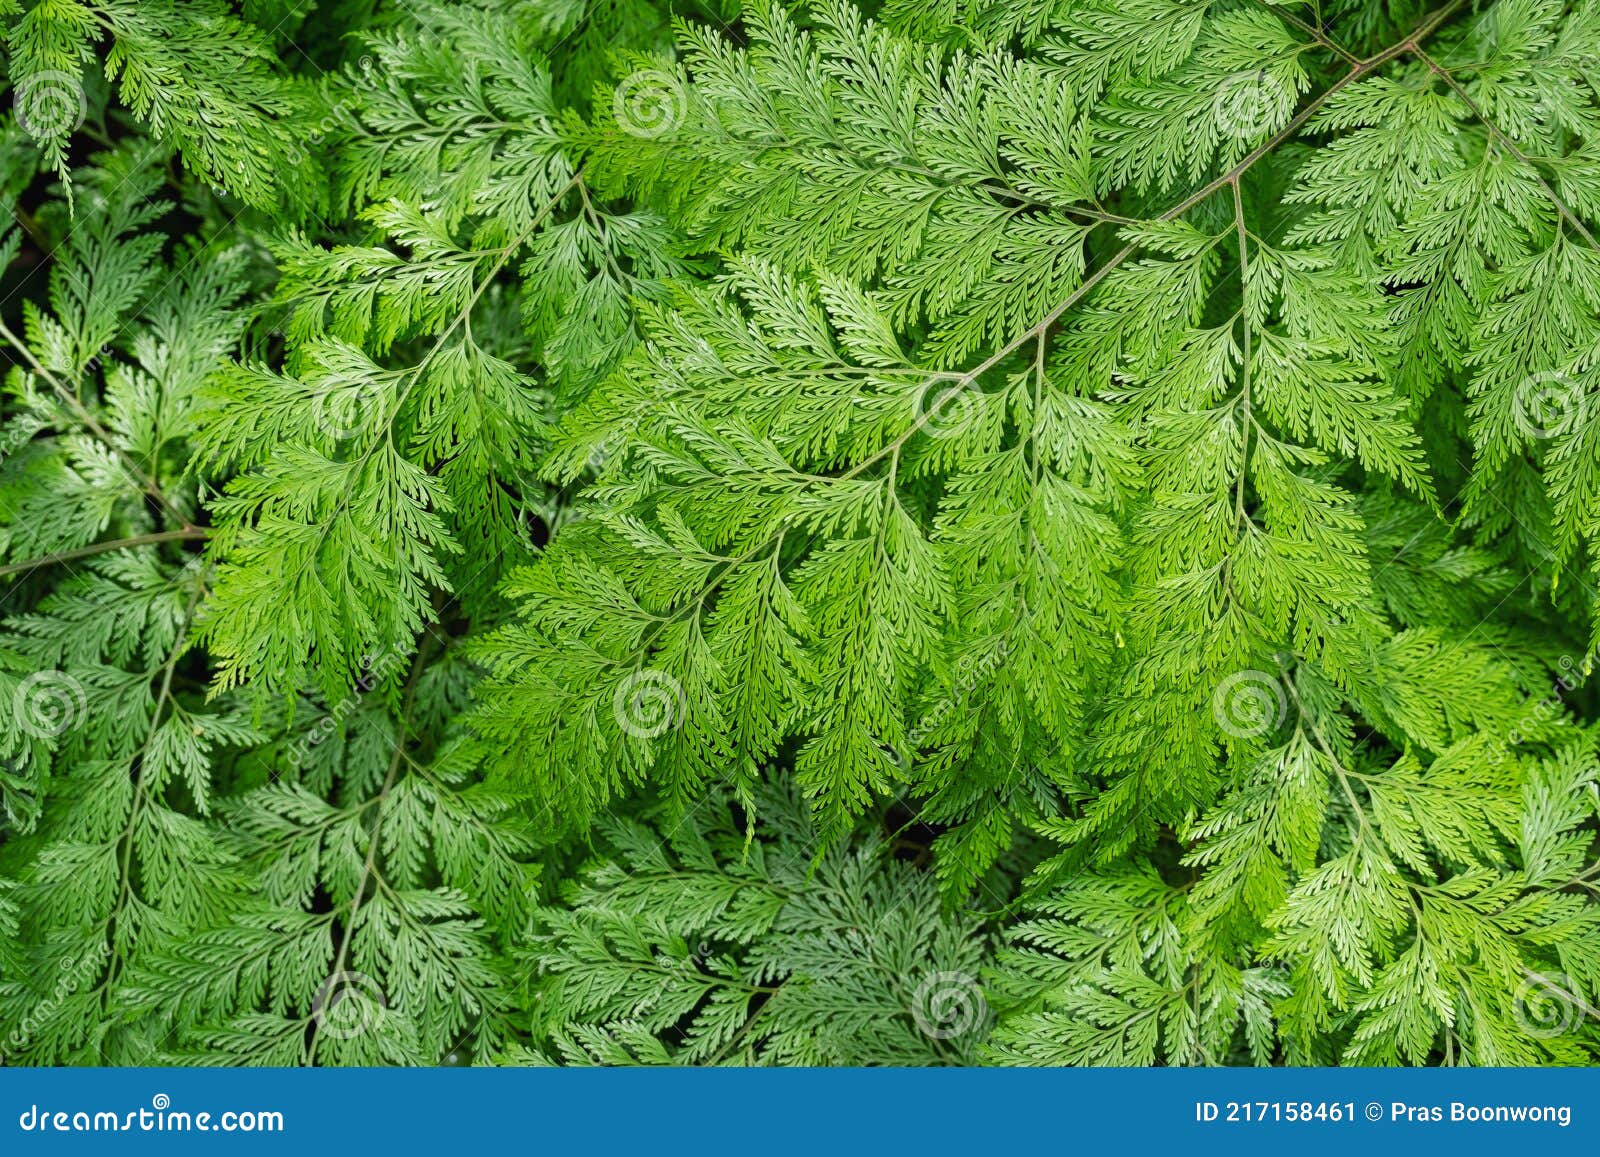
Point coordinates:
pixel 663 532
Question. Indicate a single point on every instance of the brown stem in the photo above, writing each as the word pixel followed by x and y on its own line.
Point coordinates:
pixel 1358 72
pixel 1316 33
pixel 186 534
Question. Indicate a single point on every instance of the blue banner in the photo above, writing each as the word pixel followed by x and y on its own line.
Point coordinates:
pixel 890 1111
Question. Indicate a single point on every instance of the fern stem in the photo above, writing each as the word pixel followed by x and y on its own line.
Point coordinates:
pixel 1505 142
pixel 1244 318
pixel 1315 32
pixel 414 374
pixel 141 795
pixel 185 534
pixel 369 865
pixel 147 482
pixel 1357 72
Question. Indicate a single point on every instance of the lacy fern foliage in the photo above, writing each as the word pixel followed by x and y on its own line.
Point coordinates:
pixel 682 533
